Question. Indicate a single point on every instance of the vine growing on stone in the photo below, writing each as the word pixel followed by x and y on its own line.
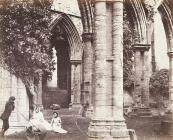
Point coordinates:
pixel 25 38
pixel 128 75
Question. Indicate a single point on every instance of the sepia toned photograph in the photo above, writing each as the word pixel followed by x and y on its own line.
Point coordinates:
pixel 86 69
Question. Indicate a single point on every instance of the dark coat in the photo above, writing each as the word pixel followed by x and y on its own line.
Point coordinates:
pixel 9 107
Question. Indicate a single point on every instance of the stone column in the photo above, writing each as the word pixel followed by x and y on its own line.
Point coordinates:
pixel 118 60
pixel 146 77
pixel 108 123
pixel 119 130
pixel 88 70
pixel 97 128
pixel 167 122
pixel 153 59
pixel 100 60
pixel 170 54
pixel 141 74
pixel 76 83
pixel 138 74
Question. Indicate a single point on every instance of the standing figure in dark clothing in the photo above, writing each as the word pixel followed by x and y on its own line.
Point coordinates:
pixel 9 107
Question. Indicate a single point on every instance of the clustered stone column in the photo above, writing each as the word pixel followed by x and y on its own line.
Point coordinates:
pixel 142 74
pixel 153 57
pixel 108 121
pixel 87 71
pixel 167 122
pixel 170 54
pixel 76 83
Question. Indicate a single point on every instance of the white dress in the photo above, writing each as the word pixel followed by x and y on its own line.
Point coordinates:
pixel 56 125
pixel 38 120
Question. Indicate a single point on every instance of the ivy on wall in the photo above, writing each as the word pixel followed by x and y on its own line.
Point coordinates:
pixel 128 74
pixel 24 39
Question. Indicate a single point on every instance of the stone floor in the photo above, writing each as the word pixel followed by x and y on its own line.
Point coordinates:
pixel 146 128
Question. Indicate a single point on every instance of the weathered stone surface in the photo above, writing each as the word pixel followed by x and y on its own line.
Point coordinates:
pixel 76 83
pixel 87 68
pixel 107 120
pixel 142 74
pixel 13 86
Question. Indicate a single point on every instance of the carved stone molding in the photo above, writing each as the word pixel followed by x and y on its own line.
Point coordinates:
pixel 141 47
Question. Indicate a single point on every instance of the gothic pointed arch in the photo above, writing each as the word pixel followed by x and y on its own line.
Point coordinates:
pixel 87 10
pixel 73 37
pixel 137 15
pixel 166 12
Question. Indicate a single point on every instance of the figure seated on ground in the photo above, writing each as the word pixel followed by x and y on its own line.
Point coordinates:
pixel 37 125
pixel 56 123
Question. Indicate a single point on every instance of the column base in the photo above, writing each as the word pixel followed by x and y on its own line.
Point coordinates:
pixel 108 129
pixel 16 128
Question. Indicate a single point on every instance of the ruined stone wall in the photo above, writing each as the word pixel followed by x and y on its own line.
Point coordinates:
pixel 10 85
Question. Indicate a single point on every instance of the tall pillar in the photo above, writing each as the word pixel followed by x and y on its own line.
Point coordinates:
pixel 88 70
pixel 170 54
pixel 108 121
pixel 118 60
pixel 167 123
pixel 76 83
pixel 146 78
pixel 100 60
pixel 153 57
pixel 141 94
pixel 96 129
pixel 119 129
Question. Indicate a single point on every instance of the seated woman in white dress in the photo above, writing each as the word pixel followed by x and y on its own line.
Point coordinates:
pixel 38 120
pixel 56 123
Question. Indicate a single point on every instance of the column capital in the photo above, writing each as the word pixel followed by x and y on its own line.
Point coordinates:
pixel 170 54
pixel 87 36
pixel 141 47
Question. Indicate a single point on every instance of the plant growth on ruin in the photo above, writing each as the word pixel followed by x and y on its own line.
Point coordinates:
pixel 128 75
pixel 25 38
